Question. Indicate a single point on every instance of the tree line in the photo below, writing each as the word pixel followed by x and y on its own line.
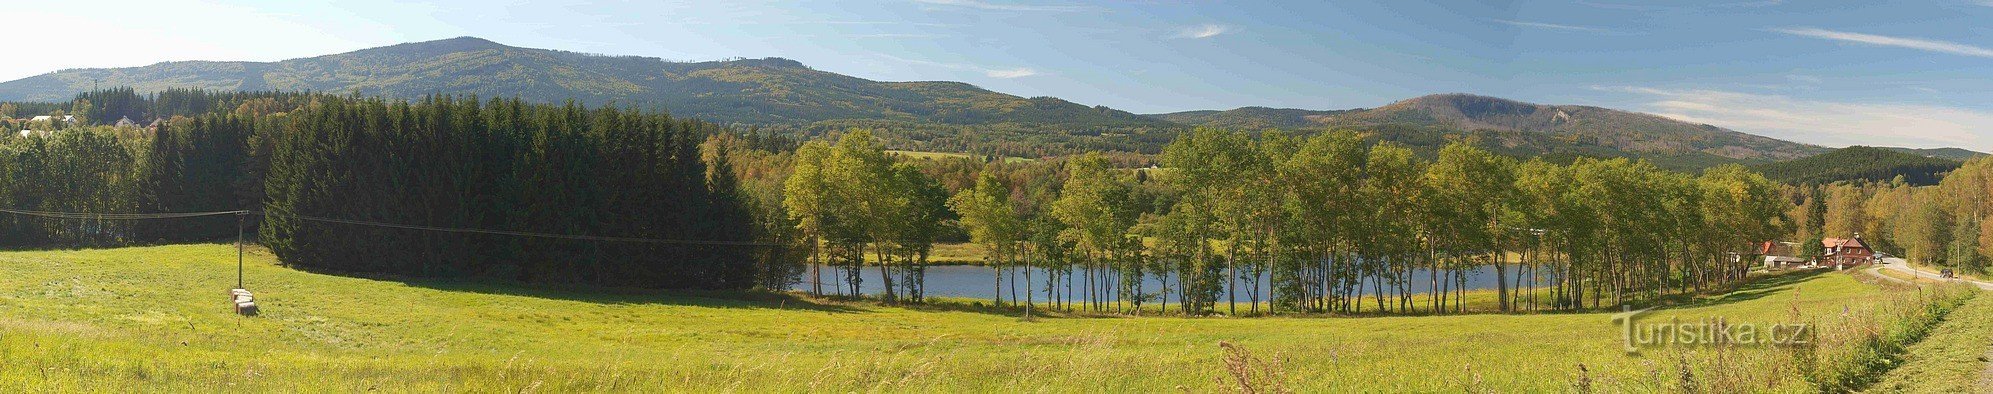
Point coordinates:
pixel 448 162
pixel 1942 225
pixel 1330 222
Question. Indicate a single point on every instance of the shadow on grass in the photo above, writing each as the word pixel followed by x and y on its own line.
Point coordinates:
pixel 725 299
pixel 1757 288
pixel 1751 290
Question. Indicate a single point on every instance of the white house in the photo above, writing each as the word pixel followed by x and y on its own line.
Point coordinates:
pixel 43 118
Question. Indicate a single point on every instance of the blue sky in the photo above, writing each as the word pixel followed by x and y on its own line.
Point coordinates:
pixel 1830 73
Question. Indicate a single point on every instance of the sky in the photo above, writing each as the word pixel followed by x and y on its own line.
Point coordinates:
pixel 1825 72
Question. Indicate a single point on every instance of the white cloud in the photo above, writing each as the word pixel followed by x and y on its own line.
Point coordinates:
pixel 896 35
pixel 990 72
pixel 1900 42
pixel 983 5
pixel 1011 73
pixel 1803 78
pixel 1822 122
pixel 1764 3
pixel 1552 26
pixel 1207 30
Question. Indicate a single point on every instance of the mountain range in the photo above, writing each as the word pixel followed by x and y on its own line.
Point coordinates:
pixel 777 92
pixel 760 91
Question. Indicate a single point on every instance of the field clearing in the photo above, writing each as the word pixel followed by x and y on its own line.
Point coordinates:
pixel 947 254
pixel 950 155
pixel 156 318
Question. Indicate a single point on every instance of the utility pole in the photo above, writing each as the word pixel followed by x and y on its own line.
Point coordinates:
pixel 238 249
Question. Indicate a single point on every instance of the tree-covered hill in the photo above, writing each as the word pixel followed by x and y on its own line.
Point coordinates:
pixel 1579 124
pixel 1942 153
pixel 1860 163
pixel 1552 128
pixel 1252 118
pixel 757 91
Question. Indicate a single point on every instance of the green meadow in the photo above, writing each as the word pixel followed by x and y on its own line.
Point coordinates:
pixel 157 319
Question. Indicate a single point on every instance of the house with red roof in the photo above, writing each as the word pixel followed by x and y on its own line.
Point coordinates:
pixel 1846 251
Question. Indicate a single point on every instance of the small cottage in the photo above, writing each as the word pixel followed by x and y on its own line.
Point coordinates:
pixel 1782 254
pixel 1846 251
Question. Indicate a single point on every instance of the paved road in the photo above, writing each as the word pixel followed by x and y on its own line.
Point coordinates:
pixel 1899 265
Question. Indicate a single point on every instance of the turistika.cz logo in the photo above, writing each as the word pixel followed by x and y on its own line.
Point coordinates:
pixel 1706 331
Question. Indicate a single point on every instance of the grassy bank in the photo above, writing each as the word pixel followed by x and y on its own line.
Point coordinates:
pixel 1952 359
pixel 149 319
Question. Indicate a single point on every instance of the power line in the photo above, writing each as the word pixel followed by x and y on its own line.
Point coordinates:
pixel 118 216
pixel 523 233
pixel 457 230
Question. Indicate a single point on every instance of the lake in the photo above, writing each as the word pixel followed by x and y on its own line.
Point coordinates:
pixel 979 282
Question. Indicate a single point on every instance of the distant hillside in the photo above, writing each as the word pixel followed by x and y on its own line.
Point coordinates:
pixel 1252 118
pixel 1526 129
pixel 1860 163
pixel 1942 153
pixel 1622 130
pixel 759 91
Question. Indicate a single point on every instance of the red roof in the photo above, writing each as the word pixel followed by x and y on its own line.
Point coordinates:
pixel 1831 243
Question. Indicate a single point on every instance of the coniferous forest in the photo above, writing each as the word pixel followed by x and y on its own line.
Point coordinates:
pixel 635 186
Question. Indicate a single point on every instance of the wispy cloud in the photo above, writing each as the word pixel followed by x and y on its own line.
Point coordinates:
pixel 1924 89
pixel 1552 26
pixel 1008 73
pixel 1751 4
pixel 1822 122
pixel 1639 6
pixel 1207 30
pixel 1900 42
pixel 1627 7
pixel 804 23
pixel 1011 73
pixel 896 35
pixel 926 24
pixel 1803 78
pixel 983 5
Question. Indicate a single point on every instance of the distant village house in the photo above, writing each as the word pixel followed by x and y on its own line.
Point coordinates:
pixel 46 118
pixel 1846 251
pixel 1782 254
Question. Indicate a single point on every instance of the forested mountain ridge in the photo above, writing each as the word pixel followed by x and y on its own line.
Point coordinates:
pixel 1253 118
pixel 1572 125
pixel 1860 163
pixel 787 97
pixel 755 91
pixel 1942 153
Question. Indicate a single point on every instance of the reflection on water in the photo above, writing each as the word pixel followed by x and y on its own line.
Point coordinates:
pixel 972 281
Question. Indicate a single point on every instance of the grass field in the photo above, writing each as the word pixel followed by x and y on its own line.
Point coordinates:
pixel 950 155
pixel 1953 359
pixel 156 319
